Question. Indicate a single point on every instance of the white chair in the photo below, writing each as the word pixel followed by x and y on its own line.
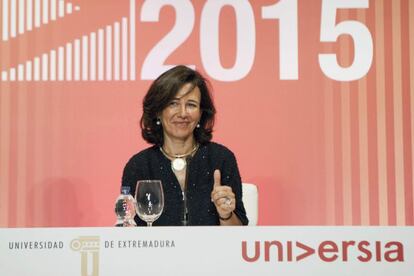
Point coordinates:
pixel 251 202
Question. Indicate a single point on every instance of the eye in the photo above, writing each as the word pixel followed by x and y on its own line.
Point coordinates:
pixel 192 105
pixel 173 103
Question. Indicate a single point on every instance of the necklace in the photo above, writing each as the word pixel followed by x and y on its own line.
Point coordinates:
pixel 178 162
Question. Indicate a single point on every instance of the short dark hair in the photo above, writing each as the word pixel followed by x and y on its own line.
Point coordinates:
pixel 160 94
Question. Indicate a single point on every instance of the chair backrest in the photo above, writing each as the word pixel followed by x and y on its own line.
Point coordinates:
pixel 251 202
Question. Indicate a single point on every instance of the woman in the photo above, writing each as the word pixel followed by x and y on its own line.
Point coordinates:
pixel 201 181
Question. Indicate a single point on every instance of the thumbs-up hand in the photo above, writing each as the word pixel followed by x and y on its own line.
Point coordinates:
pixel 222 197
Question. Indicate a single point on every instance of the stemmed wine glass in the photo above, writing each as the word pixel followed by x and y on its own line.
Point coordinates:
pixel 149 198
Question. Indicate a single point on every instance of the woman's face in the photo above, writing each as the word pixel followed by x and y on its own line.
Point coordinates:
pixel 182 114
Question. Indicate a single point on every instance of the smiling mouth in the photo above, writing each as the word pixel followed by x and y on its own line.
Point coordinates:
pixel 182 124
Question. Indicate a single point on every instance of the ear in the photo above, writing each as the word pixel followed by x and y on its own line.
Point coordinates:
pixel 158 116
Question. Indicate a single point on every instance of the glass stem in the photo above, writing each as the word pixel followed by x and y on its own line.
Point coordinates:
pixel 149 224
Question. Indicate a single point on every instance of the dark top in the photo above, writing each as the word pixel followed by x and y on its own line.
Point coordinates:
pixel 152 164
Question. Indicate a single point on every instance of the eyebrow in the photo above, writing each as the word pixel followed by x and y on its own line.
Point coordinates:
pixel 194 101
pixel 190 100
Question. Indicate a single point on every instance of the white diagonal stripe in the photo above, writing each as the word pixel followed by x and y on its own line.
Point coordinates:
pixel 36 69
pixel 45 67
pixel 108 62
pixel 61 63
pixel 69 61
pixel 53 9
pixel 76 60
pixel 61 8
pixel 4 76
pixel 45 11
pixel 29 15
pixel 100 54
pixel 5 24
pixel 117 42
pixel 92 60
pixel 53 65
pixel 20 72
pixel 12 74
pixel 132 39
pixel 69 8
pixel 13 18
pixel 85 59
pixel 29 70
pixel 37 13
pixel 21 16
pixel 124 50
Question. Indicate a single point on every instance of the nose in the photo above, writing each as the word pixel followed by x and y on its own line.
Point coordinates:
pixel 183 110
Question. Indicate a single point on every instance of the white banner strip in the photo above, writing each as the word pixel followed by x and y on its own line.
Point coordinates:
pixel 208 251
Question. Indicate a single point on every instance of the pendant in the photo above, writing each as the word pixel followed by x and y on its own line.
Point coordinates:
pixel 178 164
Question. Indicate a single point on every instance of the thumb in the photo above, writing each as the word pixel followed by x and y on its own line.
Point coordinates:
pixel 217 178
